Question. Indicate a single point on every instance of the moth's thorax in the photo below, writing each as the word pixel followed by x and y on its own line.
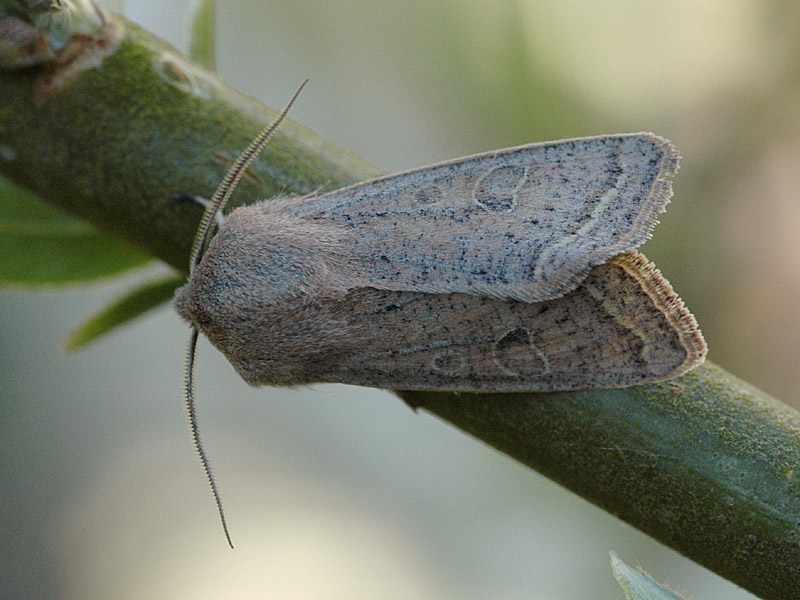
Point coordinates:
pixel 262 293
pixel 261 257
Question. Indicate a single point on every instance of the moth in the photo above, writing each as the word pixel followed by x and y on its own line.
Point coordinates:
pixel 512 270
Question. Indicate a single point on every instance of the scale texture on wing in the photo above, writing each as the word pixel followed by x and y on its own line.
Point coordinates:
pixel 526 223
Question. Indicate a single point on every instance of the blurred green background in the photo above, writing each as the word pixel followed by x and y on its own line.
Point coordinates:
pixel 341 492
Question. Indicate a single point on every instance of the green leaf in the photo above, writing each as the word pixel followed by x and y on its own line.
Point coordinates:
pixel 124 309
pixel 41 245
pixel 201 47
pixel 637 585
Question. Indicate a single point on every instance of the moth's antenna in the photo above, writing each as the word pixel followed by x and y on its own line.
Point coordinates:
pixel 231 179
pixel 191 413
pixel 199 246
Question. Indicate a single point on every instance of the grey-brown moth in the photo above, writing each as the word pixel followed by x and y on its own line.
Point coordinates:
pixel 512 270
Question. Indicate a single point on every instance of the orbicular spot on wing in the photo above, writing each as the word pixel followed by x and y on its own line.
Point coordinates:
pixel 515 353
pixel 497 189
pixel 429 194
pixel 450 362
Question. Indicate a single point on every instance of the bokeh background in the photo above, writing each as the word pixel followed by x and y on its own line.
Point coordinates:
pixel 342 492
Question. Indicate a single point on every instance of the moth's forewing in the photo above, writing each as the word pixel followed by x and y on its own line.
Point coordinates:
pixel 525 223
pixel 623 325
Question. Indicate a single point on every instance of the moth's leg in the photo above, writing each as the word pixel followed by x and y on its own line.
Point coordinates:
pixel 312 194
pixel 414 405
pixel 205 203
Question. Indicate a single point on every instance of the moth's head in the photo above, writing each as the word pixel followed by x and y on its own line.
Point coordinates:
pixel 187 309
pixel 197 301
pixel 221 287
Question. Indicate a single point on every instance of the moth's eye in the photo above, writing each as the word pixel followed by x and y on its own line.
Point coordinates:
pixel 200 316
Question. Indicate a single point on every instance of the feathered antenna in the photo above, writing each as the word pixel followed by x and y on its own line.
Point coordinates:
pixel 201 240
pixel 229 182
pixel 191 414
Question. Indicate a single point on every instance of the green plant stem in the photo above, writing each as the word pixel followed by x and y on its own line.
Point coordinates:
pixel 704 463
